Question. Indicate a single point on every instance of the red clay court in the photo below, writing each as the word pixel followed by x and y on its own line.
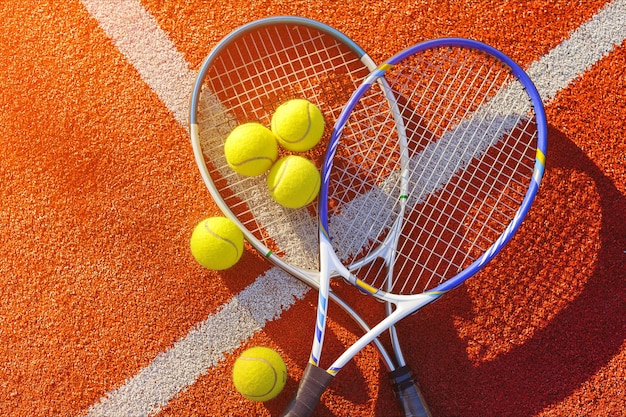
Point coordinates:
pixel 104 311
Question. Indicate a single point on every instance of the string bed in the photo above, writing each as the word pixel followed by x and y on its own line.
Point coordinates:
pixel 247 81
pixel 437 174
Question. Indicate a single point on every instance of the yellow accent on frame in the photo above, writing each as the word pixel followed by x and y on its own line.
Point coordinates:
pixel 366 287
pixel 541 157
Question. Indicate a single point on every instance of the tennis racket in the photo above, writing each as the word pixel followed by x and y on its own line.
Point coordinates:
pixel 245 78
pixel 422 192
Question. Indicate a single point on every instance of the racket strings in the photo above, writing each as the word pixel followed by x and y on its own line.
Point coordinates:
pixel 246 81
pixel 360 204
pixel 436 93
pixel 471 137
pixel 264 65
pixel 486 202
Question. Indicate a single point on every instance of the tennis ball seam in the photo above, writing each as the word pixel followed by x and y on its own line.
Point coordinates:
pixel 308 128
pixel 281 175
pixel 271 366
pixel 230 242
pixel 251 149
pixel 283 170
pixel 313 193
pixel 258 158
pixel 287 188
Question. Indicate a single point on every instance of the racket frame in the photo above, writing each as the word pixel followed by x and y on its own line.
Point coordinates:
pixel 401 376
pixel 404 304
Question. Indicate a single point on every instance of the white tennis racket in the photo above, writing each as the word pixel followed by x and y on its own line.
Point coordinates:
pixel 420 193
pixel 245 77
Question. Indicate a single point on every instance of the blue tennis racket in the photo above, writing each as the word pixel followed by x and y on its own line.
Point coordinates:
pixel 420 191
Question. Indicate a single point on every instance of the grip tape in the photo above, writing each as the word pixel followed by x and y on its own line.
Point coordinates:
pixel 312 386
pixel 408 393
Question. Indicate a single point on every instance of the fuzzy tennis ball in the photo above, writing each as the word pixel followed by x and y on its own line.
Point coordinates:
pixel 298 125
pixel 217 243
pixel 259 374
pixel 251 149
pixel 293 181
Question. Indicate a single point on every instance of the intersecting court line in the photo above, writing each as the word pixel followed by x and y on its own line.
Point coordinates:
pixel 163 68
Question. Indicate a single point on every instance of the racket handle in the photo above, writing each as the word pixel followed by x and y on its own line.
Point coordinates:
pixel 408 393
pixel 312 386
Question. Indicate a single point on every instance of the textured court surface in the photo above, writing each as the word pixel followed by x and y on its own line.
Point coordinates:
pixel 104 312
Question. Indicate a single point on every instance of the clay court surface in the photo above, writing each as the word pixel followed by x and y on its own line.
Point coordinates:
pixel 103 310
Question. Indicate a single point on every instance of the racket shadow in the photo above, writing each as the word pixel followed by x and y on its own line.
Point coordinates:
pixel 571 305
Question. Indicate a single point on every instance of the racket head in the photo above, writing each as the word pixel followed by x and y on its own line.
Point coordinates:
pixel 245 78
pixel 436 181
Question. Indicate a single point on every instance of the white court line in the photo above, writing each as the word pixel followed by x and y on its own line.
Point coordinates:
pixel 136 33
pixel 139 38
pixel 587 45
pixel 173 371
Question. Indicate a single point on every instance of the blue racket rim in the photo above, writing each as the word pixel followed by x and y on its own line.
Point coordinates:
pixel 541 123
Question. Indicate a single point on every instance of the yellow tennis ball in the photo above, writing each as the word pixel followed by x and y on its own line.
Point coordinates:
pixel 217 243
pixel 259 374
pixel 251 149
pixel 298 125
pixel 293 181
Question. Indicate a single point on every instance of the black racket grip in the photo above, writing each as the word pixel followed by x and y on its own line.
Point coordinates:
pixel 408 393
pixel 312 386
